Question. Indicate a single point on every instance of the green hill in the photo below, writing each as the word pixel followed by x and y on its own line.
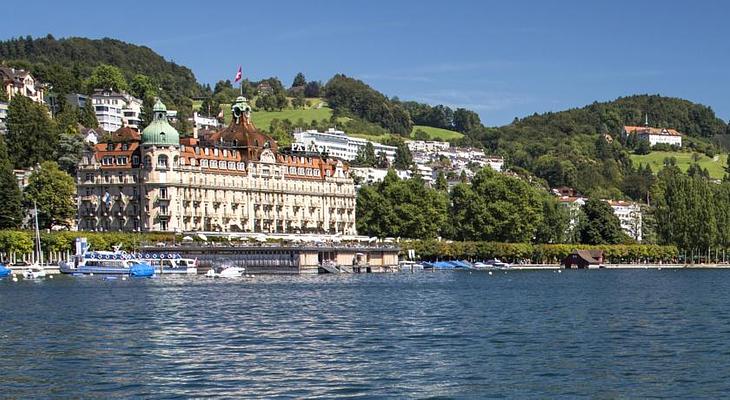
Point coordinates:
pixel 437 133
pixel 715 165
pixel 65 63
pixel 262 119
pixel 568 148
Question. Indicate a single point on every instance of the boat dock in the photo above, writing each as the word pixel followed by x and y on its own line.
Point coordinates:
pixel 290 259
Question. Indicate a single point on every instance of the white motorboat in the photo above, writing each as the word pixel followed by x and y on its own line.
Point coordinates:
pixel 225 272
pixel 35 271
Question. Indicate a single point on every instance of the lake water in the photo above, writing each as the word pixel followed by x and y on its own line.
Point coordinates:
pixel 577 334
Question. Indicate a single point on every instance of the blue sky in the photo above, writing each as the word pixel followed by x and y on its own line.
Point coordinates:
pixel 502 59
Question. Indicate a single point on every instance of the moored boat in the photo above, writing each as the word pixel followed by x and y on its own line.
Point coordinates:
pixel 102 263
pixel 225 272
pixel 5 271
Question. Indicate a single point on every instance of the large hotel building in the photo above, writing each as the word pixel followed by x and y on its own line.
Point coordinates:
pixel 234 180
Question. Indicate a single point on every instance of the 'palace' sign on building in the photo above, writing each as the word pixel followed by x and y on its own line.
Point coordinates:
pixel 233 181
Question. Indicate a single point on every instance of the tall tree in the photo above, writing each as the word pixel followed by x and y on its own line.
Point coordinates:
pixel 299 80
pixel 53 191
pixel 403 156
pixel 466 120
pixel 600 225
pixel 11 212
pixel 142 86
pixel 496 207
pixel 87 115
pixel 107 77
pixel 32 136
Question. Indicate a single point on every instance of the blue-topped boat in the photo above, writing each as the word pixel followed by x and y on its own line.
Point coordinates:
pixel 5 271
pixel 106 263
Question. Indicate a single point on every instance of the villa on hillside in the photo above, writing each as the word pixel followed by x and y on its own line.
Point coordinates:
pixel 18 81
pixel 654 135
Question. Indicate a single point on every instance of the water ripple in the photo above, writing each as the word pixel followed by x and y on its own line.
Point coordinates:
pixel 580 334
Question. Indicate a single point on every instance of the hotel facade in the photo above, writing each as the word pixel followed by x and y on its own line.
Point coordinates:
pixel 234 181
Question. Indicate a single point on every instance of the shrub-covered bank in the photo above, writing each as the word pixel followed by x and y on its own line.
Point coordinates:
pixel 536 253
pixel 17 245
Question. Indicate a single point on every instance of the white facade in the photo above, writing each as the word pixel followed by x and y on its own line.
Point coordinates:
pixel 115 110
pixel 337 144
pixel 427 146
pixel 629 214
pixel 654 136
pixel 655 139
pixel 200 122
pixel 373 175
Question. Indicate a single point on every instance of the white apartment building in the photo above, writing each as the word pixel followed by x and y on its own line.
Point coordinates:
pixel 337 144
pixel 628 214
pixel 373 175
pixel 427 146
pixel 115 110
pixel 200 122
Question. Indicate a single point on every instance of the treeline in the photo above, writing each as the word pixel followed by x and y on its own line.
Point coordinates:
pixel 535 253
pixel 583 148
pixel 352 97
pixel 21 242
pixel 494 207
pixel 68 63
pixel 691 211
pixel 441 116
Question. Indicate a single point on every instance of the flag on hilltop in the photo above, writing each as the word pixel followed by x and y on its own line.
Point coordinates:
pixel 239 75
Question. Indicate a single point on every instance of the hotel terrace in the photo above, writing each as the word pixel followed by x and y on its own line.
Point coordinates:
pixel 233 181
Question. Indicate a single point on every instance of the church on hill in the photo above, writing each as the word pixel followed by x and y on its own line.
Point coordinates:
pixel 234 180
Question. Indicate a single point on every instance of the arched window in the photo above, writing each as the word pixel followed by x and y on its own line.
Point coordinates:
pixel 148 162
pixel 162 161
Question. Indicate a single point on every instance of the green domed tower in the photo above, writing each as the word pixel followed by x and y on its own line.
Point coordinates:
pixel 160 132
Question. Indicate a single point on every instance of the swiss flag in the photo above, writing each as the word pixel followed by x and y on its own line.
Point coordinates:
pixel 239 74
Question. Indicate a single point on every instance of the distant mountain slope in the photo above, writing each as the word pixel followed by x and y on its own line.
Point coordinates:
pixel 66 62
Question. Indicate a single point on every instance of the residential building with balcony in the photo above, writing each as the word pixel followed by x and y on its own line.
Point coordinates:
pixel 116 110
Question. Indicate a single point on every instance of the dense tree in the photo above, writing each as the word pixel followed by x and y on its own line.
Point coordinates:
pixel 365 156
pixel 555 223
pixel 599 225
pixel 299 80
pixel 401 208
pixel 350 96
pixel 496 207
pixel 87 116
pixel 69 151
pixel 67 63
pixel 466 120
pixel 298 101
pixel 403 156
pixel 53 192
pixel 11 212
pixel 441 184
pixel 313 89
pixel 32 136
pixel 142 86
pixel 107 77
